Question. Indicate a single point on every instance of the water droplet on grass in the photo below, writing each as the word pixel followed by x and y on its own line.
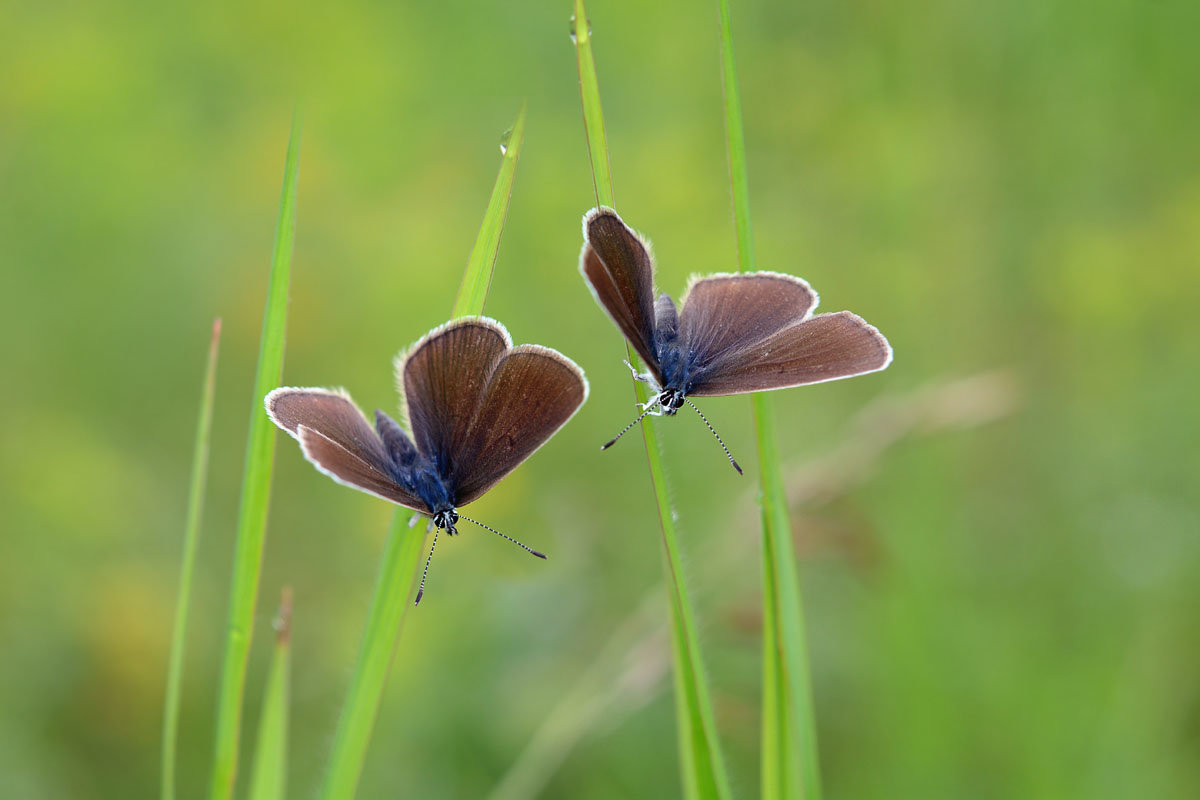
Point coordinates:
pixel 573 37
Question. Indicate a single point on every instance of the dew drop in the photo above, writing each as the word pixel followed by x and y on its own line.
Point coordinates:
pixel 505 138
pixel 572 31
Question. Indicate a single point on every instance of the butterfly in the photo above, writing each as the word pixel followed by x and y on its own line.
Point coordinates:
pixel 476 407
pixel 733 333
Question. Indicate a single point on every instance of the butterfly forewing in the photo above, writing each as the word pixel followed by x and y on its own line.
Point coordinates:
pixel 443 379
pixel 822 348
pixel 725 313
pixel 337 439
pixel 617 265
pixel 478 407
pixel 530 395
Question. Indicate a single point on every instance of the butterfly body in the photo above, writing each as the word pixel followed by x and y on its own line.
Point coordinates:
pixel 415 472
pixel 675 365
pixel 672 381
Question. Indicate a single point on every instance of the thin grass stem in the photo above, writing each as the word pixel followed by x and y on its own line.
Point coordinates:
pixel 268 778
pixel 789 747
pixel 191 539
pixel 256 487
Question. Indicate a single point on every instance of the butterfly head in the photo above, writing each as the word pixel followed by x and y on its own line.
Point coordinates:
pixel 446 519
pixel 671 401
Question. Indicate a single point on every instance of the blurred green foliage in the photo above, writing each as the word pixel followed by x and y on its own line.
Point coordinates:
pixel 1000 611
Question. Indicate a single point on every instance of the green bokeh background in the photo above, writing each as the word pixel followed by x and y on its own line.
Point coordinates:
pixel 1005 610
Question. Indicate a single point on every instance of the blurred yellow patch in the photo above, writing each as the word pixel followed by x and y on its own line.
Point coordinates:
pixel 124 632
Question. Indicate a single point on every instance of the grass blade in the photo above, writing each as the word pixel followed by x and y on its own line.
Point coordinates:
pixel 191 538
pixel 256 487
pixel 397 578
pixel 402 552
pixel 268 780
pixel 593 114
pixel 472 292
pixel 789 747
pixel 701 762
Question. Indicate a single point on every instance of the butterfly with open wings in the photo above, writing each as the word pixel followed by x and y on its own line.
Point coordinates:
pixel 476 407
pixel 734 333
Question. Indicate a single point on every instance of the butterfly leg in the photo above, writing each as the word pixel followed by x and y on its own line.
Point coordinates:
pixel 655 400
pixel 644 377
pixel 413 520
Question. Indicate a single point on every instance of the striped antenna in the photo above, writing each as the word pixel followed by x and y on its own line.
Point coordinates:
pixel 714 433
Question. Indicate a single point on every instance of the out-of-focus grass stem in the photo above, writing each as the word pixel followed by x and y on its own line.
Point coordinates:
pixel 789 747
pixel 191 539
pixel 268 779
pixel 256 487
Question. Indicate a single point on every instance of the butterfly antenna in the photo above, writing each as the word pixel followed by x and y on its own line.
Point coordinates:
pixel 613 440
pixel 425 573
pixel 502 536
pixel 714 433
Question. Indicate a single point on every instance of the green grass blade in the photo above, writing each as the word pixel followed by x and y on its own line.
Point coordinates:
pixel 256 486
pixel 268 779
pixel 701 762
pixel 402 552
pixel 593 115
pixel 789 748
pixel 472 293
pixel 191 538
pixel 397 576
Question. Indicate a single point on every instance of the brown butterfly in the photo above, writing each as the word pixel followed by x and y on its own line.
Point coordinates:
pixel 476 406
pixel 734 332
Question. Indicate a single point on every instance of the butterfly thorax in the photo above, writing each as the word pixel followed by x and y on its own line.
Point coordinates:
pixel 428 485
pixel 412 469
pixel 676 369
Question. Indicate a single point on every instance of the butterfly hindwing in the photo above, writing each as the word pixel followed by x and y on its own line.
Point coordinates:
pixel 338 441
pixel 822 348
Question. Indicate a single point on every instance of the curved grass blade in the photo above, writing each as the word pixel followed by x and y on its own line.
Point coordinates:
pixel 402 552
pixel 268 779
pixel 191 539
pixel 256 487
pixel 701 762
pixel 789 747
